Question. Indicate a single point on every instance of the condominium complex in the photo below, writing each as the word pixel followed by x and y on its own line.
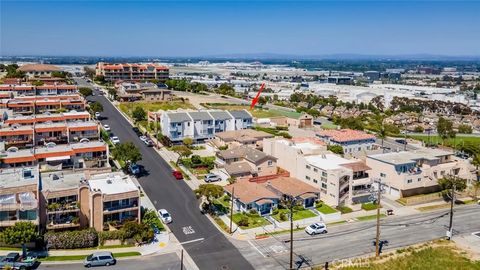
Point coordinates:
pixel 20 90
pixel 132 72
pixel 200 125
pixel 43 104
pixel 340 181
pixel 415 172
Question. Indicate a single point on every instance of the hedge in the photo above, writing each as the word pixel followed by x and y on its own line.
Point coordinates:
pixel 130 230
pixel 72 239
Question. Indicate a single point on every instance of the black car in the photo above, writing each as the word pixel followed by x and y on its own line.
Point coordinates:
pixel 137 131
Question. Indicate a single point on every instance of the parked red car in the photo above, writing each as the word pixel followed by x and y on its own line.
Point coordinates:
pixel 177 174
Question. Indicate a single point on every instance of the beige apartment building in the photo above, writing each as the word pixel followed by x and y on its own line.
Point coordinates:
pixel 340 181
pixel 132 72
pixel 405 174
pixel 19 195
pixel 245 162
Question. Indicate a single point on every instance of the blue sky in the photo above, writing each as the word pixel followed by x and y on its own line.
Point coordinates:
pixel 200 28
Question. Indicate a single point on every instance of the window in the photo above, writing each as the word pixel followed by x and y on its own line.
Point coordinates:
pixel 308 167
pixel 259 169
pixel 315 169
pixel 324 185
pixel 324 174
pixel 270 163
pixel 419 179
pixel 315 181
pixel 409 181
pixel 383 175
pixel 307 177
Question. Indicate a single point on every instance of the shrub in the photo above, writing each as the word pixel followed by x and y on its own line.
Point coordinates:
pixel 283 216
pixel 243 221
pixel 252 212
pixel 196 160
pixel 72 239
pixel 130 230
pixel 150 218
pixel 275 211
pixel 225 147
pixel 344 209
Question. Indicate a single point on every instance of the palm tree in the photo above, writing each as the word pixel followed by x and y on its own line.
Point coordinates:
pixel 476 163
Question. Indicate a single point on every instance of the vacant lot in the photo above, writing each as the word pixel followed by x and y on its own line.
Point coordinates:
pixel 127 107
pixel 431 258
pixel 459 140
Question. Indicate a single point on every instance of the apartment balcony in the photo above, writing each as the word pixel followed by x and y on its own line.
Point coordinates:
pixel 18 142
pixel 360 192
pixel 120 208
pixel 57 208
pixel 55 139
pixel 11 222
pixel 53 225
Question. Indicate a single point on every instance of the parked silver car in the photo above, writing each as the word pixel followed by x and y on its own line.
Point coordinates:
pixel 212 178
pixel 103 258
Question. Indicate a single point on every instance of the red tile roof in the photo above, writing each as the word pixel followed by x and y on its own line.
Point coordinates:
pixel 345 135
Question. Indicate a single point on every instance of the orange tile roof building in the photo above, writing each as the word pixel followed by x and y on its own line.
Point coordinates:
pixel 132 72
pixel 38 70
pixel 19 90
pixel 42 104
pixel 352 141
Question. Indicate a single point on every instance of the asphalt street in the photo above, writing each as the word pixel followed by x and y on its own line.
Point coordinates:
pixel 207 246
pixel 169 261
pixel 356 239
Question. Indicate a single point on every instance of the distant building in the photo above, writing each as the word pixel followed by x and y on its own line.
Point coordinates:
pixel 23 90
pixel 132 72
pixel 33 71
pixel 372 75
pixel 352 141
pixel 200 125
pixel 235 138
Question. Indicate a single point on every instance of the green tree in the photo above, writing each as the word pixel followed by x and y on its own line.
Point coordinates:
pixel 337 149
pixel 209 191
pixel 262 100
pixel 89 72
pixel 419 129
pixel 187 142
pixel 451 183
pixel 313 112
pixel 112 93
pixel 20 233
pixel 182 151
pixel 476 163
pixel 445 128
pixel 465 129
pixel 139 114
pixel 37 83
pixel 59 74
pixel 96 107
pixel 85 91
pixel 126 152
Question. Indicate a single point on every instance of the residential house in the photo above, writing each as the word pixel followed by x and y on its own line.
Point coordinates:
pixel 235 138
pixel 352 141
pixel 132 72
pixel 246 161
pixel 264 196
pixel 36 71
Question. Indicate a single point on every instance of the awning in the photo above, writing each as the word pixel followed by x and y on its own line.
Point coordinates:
pixel 57 158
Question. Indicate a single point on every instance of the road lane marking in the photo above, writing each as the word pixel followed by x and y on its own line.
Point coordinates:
pixel 261 253
pixel 192 241
pixel 188 230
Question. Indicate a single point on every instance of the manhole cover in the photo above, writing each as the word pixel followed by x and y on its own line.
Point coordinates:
pixel 225 267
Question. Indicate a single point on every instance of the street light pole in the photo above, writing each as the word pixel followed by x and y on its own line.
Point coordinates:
pixel 452 201
pixel 292 203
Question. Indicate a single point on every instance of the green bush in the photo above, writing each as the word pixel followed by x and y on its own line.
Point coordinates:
pixel 253 212
pixel 150 218
pixel 283 216
pixel 275 211
pixel 130 230
pixel 244 222
pixel 72 239
pixel 225 147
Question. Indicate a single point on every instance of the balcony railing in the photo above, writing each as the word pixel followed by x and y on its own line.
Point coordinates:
pixel 120 207
pixel 65 207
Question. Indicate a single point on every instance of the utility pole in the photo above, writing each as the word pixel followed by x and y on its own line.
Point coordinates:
pixel 292 202
pixel 231 210
pixel 405 142
pixel 377 239
pixel 181 260
pixel 452 202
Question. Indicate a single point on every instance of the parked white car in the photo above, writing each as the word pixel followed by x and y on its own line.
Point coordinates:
pixel 115 140
pixel 316 228
pixel 97 115
pixel 165 216
pixel 106 127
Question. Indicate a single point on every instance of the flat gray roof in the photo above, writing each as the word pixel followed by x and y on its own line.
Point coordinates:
pixel 406 157
pixel 55 181
pixel 17 177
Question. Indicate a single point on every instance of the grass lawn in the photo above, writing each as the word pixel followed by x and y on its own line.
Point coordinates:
pixel 369 206
pixel 82 257
pixel 443 206
pixel 344 209
pixel 325 209
pixel 222 204
pixel 432 258
pixel 297 215
pixel 127 107
pixel 458 141
pixel 329 126
pixel 256 112
pixel 371 217
pixel 10 248
pixel 221 224
pixel 253 220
